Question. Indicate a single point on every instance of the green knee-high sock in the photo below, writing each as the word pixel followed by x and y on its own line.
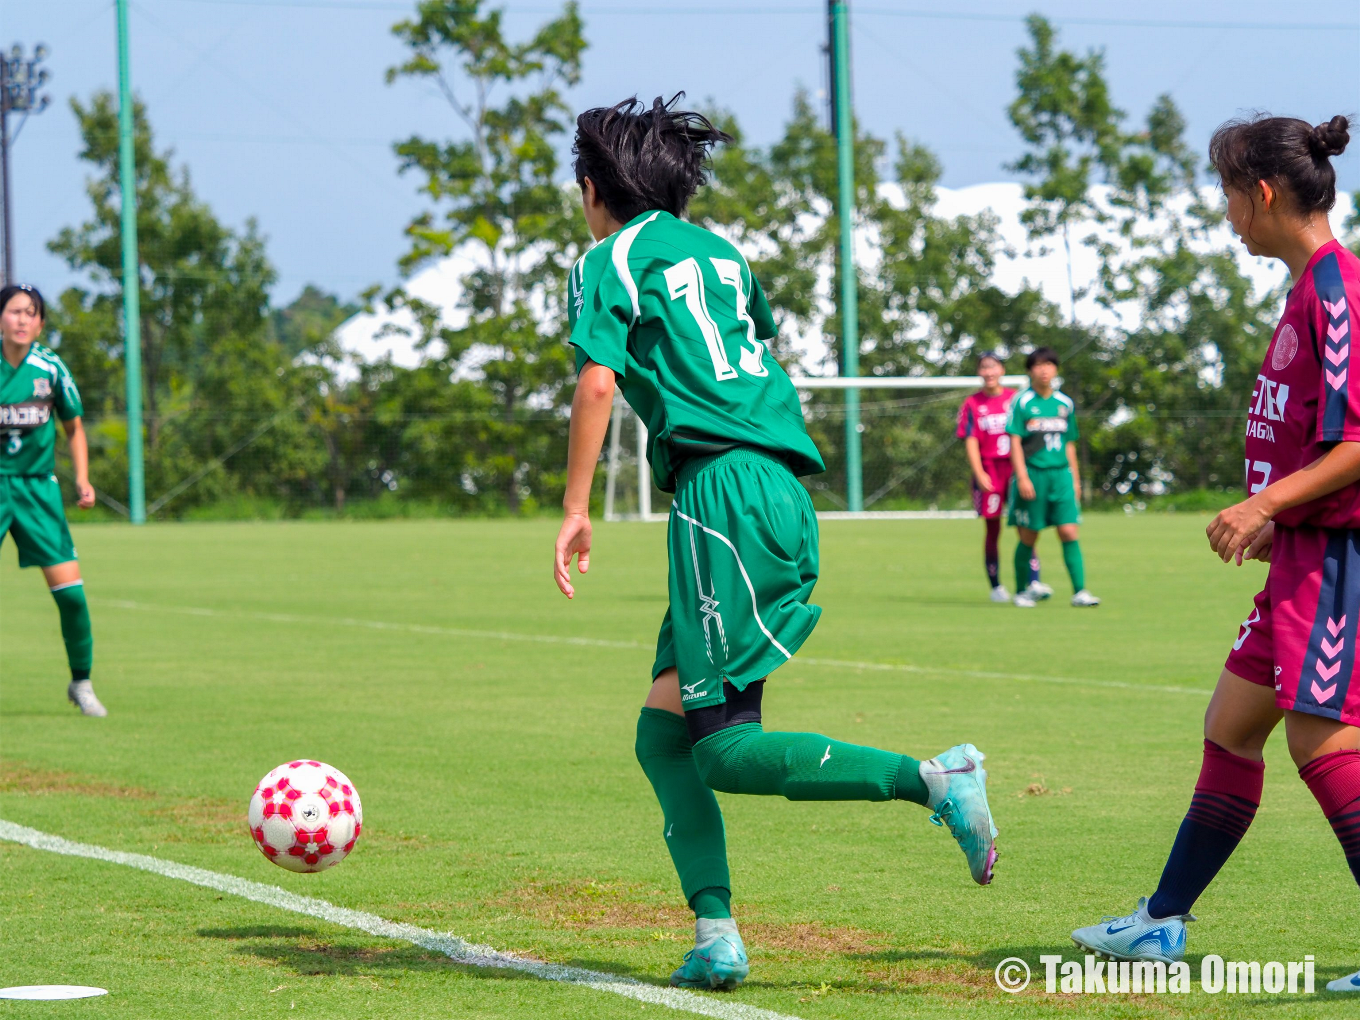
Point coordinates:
pixel 804 766
pixel 1076 568
pixel 75 628
pixel 1023 554
pixel 692 825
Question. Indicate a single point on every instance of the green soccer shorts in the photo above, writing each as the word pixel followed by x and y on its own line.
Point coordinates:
pixel 742 542
pixel 1054 501
pixel 31 511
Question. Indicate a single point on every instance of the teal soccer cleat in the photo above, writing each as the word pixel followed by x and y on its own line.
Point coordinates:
pixel 1349 983
pixel 958 795
pixel 1136 937
pixel 718 959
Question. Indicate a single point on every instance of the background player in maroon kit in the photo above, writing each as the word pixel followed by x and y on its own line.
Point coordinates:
pixel 982 427
pixel 1294 657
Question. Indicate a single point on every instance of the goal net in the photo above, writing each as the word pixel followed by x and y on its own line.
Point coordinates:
pixel 912 465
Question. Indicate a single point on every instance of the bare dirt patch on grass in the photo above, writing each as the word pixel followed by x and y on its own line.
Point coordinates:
pixel 17 777
pixel 178 819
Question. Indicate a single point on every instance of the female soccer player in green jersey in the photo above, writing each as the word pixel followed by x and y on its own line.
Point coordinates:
pixel 35 385
pixel 1046 486
pixel 671 313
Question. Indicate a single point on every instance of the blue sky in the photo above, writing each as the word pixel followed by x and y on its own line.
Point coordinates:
pixel 279 109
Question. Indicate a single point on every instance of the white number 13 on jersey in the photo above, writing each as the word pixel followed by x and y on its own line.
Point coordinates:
pixel 685 279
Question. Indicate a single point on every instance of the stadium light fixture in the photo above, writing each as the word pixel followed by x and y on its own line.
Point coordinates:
pixel 20 82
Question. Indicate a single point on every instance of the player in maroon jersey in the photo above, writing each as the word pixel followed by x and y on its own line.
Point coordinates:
pixel 1294 656
pixel 982 427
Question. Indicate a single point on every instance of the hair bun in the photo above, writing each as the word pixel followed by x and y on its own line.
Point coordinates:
pixel 1330 139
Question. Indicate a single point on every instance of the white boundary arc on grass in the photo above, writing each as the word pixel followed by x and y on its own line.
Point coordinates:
pixel 567 639
pixel 455 948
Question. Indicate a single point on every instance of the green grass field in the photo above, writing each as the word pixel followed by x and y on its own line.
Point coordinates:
pixel 503 803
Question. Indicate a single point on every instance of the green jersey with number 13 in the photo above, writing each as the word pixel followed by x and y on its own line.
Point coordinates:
pixel 674 311
pixel 1045 426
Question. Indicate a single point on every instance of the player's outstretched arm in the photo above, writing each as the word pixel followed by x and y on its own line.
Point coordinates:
pixel 590 411
pixel 1233 530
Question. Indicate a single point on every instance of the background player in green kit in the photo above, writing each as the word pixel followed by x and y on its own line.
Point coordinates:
pixel 35 389
pixel 672 313
pixel 1046 487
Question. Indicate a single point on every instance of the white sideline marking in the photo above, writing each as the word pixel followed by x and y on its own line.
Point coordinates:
pixel 452 946
pixel 981 675
pixel 556 639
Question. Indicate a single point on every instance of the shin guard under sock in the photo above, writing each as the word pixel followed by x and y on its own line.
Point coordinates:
pixel 1224 803
pixel 75 628
pixel 1076 567
pixel 1334 780
pixel 692 824
pixel 1024 566
pixel 799 766
pixel 991 551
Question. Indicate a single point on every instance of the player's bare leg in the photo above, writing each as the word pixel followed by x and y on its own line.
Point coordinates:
pixel 68 591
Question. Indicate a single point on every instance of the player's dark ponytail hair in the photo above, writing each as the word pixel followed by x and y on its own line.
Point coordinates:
pixel 640 158
pixel 22 288
pixel 1285 151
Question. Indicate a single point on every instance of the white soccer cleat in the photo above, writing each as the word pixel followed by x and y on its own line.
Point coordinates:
pixel 1039 591
pixel 81 694
pixel 1000 594
pixel 1349 983
pixel 1084 598
pixel 1136 937
pixel 1024 600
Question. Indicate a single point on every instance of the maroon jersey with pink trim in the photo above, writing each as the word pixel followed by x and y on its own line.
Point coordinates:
pixel 1307 398
pixel 984 418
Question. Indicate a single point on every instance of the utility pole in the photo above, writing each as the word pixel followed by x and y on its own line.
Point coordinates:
pixel 20 81
pixel 843 125
pixel 132 277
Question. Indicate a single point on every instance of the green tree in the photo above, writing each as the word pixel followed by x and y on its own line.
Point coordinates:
pixel 1071 132
pixel 211 374
pixel 924 303
pixel 309 322
pixel 496 198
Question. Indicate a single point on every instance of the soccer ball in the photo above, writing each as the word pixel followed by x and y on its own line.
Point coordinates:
pixel 305 816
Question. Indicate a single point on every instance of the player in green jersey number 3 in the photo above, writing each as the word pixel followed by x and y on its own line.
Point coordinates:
pixel 1046 486
pixel 671 313
pixel 36 389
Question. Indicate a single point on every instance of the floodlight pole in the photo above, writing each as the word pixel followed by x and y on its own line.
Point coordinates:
pixel 132 285
pixel 20 81
pixel 4 177
pixel 843 121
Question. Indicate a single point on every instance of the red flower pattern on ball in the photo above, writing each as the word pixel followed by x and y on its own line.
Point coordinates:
pixel 305 816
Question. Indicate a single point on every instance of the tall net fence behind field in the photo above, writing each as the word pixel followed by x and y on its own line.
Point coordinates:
pixel 301 462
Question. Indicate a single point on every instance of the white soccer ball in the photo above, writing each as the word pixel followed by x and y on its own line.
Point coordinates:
pixel 305 816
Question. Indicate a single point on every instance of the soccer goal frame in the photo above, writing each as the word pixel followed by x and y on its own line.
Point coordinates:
pixel 623 413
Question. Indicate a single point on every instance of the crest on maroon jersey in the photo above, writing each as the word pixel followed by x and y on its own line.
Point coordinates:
pixel 1286 346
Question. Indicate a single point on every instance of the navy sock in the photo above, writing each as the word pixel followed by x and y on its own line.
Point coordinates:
pixel 1222 808
pixel 992 552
